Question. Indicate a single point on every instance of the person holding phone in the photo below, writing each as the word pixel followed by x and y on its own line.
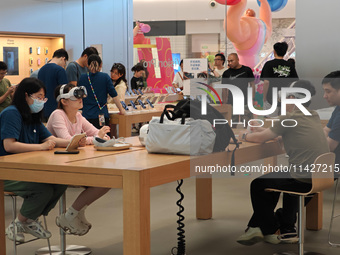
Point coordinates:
pixel 22 131
pixel 66 122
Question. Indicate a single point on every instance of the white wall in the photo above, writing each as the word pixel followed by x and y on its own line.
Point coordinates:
pixel 317 42
pixel 107 22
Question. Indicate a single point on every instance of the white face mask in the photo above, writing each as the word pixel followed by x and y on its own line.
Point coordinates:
pixel 37 105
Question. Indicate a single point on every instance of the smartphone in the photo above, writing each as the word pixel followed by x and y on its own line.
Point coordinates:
pixel 140 91
pixel 149 102
pixel 135 91
pixel 128 93
pixel 66 152
pixel 133 105
pixel 137 99
pixel 141 104
pixel 124 105
pixel 132 94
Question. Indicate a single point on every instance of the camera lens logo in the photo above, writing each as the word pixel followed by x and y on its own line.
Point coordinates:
pixel 209 93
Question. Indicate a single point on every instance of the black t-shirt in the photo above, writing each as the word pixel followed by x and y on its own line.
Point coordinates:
pixel 240 78
pixel 280 73
pixel 137 83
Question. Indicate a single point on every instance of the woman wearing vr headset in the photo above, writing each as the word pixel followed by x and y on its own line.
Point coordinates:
pixel 66 122
pixel 22 131
pixel 98 85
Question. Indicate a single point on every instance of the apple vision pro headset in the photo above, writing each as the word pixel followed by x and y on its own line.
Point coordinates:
pixel 74 94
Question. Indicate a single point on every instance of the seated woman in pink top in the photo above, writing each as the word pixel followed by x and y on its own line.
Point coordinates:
pixel 65 122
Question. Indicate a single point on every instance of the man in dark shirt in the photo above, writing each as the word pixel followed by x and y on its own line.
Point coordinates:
pixel 240 76
pixel 331 87
pixel 277 73
pixel 52 75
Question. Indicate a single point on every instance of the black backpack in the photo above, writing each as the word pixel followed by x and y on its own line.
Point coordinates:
pixel 192 108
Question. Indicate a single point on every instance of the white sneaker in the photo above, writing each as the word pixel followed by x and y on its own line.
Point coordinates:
pixel 74 227
pixel 81 216
pixel 273 239
pixel 35 228
pixel 19 234
pixel 251 236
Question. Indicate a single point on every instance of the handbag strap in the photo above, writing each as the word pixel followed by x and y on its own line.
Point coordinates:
pixel 166 112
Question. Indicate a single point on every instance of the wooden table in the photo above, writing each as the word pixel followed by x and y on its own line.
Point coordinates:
pixel 135 171
pixel 125 122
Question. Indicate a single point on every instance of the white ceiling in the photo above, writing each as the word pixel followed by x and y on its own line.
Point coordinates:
pixel 149 10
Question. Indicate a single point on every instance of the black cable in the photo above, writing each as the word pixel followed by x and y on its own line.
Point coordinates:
pixel 181 237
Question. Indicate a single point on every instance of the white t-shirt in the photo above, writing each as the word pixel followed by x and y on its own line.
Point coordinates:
pixel 220 72
pixel 178 79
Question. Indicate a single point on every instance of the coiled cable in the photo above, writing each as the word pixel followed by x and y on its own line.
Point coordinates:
pixel 181 237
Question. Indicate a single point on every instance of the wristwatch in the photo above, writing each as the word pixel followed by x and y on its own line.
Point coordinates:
pixel 244 136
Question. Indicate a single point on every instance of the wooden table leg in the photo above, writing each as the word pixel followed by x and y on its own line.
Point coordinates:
pixel 136 213
pixel 124 128
pixel 271 161
pixel 314 212
pixel 2 220
pixel 204 197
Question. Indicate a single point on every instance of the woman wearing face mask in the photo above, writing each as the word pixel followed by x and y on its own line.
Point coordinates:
pixel 22 131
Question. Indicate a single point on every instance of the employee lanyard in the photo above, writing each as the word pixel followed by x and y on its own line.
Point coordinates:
pixel 95 97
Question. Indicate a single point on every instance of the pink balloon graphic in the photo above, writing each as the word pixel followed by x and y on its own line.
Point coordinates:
pixel 228 2
pixel 145 28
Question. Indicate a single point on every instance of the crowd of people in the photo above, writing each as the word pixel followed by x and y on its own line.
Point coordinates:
pixel 59 92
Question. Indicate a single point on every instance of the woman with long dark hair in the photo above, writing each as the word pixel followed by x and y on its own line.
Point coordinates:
pixel 23 131
pixel 118 76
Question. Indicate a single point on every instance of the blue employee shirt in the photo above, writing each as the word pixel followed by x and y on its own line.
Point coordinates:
pixel 52 76
pixel 102 85
pixel 334 125
pixel 12 126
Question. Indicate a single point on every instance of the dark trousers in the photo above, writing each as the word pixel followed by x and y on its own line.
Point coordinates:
pixel 39 198
pixel 264 202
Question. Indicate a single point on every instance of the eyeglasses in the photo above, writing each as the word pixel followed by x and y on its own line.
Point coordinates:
pixel 218 59
pixel 3 73
pixel 40 99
